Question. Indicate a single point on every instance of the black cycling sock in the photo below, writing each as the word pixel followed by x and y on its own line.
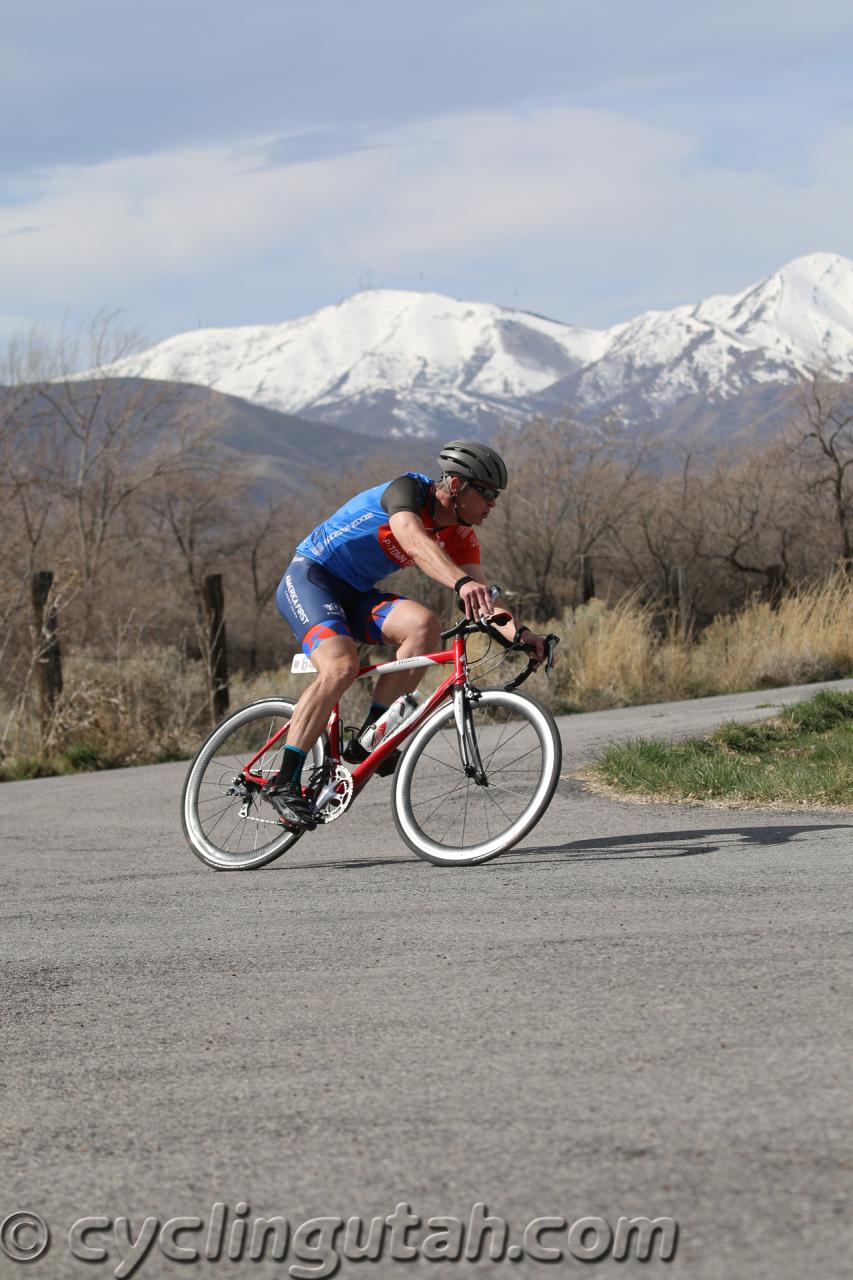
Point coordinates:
pixel 291 765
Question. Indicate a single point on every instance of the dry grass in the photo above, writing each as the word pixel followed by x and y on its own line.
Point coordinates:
pixel 134 709
pixel 151 705
pixel 809 637
pixel 605 655
pixel 143 708
pixel 615 656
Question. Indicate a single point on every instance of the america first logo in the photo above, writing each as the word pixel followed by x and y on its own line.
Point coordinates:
pixel 294 600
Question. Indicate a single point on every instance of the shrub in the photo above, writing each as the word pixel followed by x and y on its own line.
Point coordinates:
pixel 606 654
pixel 614 656
pixel 808 638
pixel 80 757
pixel 825 710
pixel 151 704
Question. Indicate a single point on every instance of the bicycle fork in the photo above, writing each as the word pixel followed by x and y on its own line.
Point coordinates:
pixel 469 751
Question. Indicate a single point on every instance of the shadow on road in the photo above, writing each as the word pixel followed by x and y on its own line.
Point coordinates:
pixel 646 844
pixel 667 844
pixel 405 859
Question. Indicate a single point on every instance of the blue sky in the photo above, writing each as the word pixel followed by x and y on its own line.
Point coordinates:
pixel 218 162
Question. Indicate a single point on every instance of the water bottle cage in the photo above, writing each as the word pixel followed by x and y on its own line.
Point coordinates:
pixel 389 722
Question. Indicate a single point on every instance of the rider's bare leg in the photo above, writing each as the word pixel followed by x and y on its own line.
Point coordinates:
pixel 336 660
pixel 414 630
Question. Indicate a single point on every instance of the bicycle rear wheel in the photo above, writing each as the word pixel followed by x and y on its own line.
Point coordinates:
pixel 446 816
pixel 226 822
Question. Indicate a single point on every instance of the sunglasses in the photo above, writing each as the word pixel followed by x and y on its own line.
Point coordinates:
pixel 491 495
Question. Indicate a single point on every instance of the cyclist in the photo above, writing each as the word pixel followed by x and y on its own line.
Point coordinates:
pixel 329 596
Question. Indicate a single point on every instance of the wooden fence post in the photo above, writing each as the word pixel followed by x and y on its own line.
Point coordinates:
pixel 214 604
pixel 48 654
pixel 587 578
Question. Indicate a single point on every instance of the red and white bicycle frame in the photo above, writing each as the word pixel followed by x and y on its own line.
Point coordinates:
pixel 360 773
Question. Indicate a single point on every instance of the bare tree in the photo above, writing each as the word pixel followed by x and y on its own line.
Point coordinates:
pixel 572 487
pixel 654 540
pixel 743 515
pixel 194 521
pixel 267 534
pixel 826 438
pixel 93 442
pixel 27 503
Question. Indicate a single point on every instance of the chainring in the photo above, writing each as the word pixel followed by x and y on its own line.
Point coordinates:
pixel 341 800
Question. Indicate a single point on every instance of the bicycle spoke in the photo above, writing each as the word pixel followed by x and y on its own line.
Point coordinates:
pixel 448 816
pixel 442 799
pixel 446 763
pixel 496 803
pixel 505 742
pixel 451 821
pixel 222 812
pixel 505 768
pixel 238 826
pixel 225 822
pixel 518 790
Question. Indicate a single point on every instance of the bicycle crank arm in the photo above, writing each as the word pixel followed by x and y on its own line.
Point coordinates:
pixel 326 794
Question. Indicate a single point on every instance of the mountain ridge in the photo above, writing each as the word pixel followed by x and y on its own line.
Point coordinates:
pixel 405 363
pixel 279 454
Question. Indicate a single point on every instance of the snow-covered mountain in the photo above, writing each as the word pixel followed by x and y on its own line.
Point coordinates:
pixel 422 363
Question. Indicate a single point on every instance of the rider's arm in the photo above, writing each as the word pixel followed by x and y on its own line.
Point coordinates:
pixel 513 627
pixel 434 561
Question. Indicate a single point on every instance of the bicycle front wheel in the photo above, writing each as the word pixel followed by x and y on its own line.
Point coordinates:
pixel 226 821
pixel 448 817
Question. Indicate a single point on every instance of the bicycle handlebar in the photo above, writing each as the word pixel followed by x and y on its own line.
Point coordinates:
pixel 488 625
pixel 467 625
pixel 551 642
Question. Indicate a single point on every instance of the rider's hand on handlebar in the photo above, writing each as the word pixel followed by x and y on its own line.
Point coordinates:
pixel 476 599
pixel 535 645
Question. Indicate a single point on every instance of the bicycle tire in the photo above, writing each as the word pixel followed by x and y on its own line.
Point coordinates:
pixel 430 777
pixel 244 733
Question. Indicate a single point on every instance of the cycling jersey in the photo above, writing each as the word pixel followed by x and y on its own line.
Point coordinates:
pixel 357 545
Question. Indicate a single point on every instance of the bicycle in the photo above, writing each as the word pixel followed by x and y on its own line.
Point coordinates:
pixel 492 750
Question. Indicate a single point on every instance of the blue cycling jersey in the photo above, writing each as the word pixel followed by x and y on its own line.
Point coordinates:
pixel 357 544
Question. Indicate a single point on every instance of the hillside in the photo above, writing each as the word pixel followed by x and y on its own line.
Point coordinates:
pixel 281 451
pixel 394 363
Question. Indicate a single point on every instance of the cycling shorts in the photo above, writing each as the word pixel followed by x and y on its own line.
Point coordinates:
pixel 317 605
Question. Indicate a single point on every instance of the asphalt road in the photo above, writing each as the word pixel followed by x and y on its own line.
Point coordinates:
pixel 641 1011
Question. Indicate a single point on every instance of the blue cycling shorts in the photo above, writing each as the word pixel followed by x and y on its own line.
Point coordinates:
pixel 316 604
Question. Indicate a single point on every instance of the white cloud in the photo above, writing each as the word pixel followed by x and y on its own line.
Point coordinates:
pixel 554 187
pixel 475 183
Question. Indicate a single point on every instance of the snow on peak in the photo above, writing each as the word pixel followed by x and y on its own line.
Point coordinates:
pixel 378 339
pixel 802 313
pixel 432 360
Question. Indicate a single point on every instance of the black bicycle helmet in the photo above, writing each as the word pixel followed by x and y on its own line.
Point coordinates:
pixel 474 461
